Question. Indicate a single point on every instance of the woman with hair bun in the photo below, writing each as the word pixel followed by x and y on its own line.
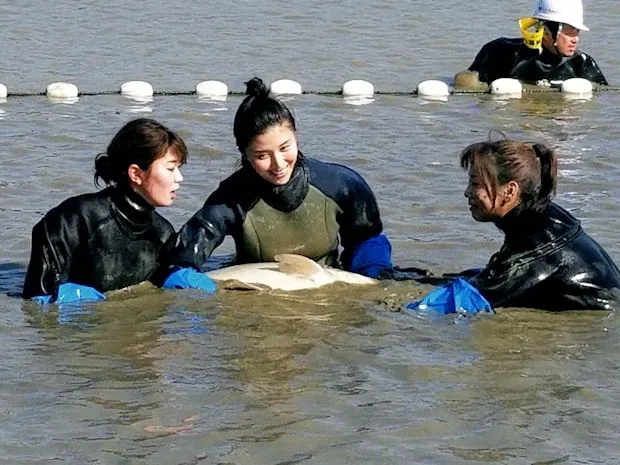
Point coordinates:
pixel 113 238
pixel 547 261
pixel 279 201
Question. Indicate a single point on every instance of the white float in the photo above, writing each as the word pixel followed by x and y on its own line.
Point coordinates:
pixel 215 90
pixel 433 89
pixel 3 91
pixel 507 87
pixel 285 87
pixel 137 89
pixel 577 86
pixel 358 88
pixel 62 91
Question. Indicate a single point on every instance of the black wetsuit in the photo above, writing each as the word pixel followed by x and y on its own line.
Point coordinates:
pixel 107 240
pixel 511 58
pixel 548 262
pixel 321 203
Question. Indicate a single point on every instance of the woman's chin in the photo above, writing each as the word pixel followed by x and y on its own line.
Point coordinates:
pixel 280 181
pixel 480 217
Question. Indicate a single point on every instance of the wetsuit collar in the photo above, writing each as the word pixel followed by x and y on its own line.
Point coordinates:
pixel 553 59
pixel 132 207
pixel 543 62
pixel 520 222
pixel 289 196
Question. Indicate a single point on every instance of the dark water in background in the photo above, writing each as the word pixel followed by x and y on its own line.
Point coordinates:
pixel 320 43
pixel 332 376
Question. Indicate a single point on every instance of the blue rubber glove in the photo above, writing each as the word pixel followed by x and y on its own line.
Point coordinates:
pixel 457 296
pixel 372 257
pixel 189 278
pixel 71 292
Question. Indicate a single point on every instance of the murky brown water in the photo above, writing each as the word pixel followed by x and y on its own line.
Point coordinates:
pixel 331 376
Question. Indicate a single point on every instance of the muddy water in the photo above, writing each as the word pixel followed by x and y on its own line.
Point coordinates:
pixel 331 376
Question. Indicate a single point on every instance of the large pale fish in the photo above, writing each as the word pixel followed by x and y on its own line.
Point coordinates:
pixel 288 273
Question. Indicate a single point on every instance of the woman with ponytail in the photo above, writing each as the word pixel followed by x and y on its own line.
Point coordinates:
pixel 547 261
pixel 279 201
pixel 113 238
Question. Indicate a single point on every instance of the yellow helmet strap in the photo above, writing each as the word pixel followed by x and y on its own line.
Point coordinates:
pixel 532 31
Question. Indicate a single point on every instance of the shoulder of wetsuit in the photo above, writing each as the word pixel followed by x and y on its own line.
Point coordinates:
pixel 359 218
pixel 503 45
pixel 497 58
pixel 238 189
pixel 338 182
pixel 590 69
pixel 93 202
pixel 78 211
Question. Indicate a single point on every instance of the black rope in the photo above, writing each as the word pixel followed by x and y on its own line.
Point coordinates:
pixel 454 91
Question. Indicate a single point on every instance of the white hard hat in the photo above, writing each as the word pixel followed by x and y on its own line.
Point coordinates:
pixel 561 11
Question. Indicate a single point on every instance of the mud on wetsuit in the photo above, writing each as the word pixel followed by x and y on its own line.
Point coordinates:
pixel 511 58
pixel 548 262
pixel 107 240
pixel 306 216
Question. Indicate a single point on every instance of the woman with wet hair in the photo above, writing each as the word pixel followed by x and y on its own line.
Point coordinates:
pixel 279 201
pixel 113 238
pixel 547 261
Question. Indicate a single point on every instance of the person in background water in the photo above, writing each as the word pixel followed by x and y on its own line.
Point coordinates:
pixel 279 201
pixel 547 261
pixel 550 54
pixel 113 238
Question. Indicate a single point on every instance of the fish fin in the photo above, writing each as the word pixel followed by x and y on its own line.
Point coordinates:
pixel 298 265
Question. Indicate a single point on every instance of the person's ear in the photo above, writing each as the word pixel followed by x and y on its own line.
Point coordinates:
pixel 548 41
pixel 135 174
pixel 512 193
